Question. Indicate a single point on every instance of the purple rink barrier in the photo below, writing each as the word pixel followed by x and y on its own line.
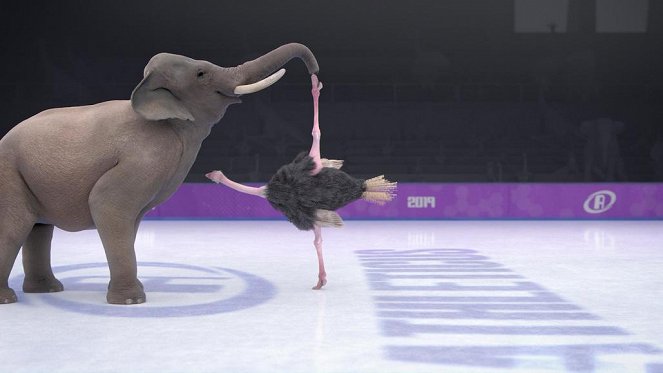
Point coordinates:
pixel 443 201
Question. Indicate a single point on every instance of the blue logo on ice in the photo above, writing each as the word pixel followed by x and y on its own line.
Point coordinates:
pixel 173 290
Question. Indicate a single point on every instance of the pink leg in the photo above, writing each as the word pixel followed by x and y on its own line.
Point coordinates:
pixel 219 177
pixel 322 275
pixel 315 147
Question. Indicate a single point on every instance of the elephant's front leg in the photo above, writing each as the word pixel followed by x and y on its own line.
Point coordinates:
pixel 116 212
pixel 118 236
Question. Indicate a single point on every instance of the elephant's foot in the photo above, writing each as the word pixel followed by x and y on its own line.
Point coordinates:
pixel 122 294
pixel 7 296
pixel 42 284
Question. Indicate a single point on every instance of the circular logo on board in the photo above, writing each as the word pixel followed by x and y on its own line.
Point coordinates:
pixel 173 290
pixel 599 202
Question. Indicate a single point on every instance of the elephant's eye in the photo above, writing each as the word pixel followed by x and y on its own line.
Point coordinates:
pixel 201 74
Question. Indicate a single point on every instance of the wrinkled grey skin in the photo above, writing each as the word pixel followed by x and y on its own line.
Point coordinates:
pixel 603 160
pixel 104 166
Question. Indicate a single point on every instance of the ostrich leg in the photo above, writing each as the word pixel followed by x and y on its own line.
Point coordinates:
pixel 322 275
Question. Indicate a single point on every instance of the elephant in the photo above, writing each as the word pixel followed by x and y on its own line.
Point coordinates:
pixel 104 166
pixel 603 161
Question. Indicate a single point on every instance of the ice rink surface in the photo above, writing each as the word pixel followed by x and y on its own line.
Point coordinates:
pixel 402 296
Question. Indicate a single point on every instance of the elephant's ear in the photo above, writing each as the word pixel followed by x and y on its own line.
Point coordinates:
pixel 155 102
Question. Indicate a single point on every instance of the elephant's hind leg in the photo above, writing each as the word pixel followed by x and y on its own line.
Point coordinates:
pixel 9 247
pixel 39 276
pixel 15 225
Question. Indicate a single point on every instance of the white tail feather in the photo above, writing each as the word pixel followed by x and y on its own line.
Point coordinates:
pixel 379 190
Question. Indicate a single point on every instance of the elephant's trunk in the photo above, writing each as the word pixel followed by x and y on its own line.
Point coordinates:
pixel 256 70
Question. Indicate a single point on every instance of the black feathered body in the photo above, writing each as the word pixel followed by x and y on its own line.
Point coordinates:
pixel 298 194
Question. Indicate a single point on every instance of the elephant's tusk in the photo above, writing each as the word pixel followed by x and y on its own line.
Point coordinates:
pixel 258 86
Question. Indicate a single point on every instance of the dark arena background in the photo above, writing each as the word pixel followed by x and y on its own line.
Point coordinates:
pixel 526 137
pixel 435 91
